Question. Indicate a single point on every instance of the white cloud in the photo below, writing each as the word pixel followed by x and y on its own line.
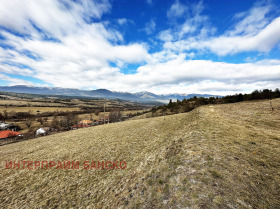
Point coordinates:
pixel 263 41
pixel 165 35
pixel 15 81
pixel 253 31
pixel 187 71
pixel 252 21
pixel 82 51
pixel 59 46
pixel 195 76
pixel 195 24
pixel 5 68
pixel 150 27
pixel 177 10
pixel 180 75
pixel 122 21
pixel 54 18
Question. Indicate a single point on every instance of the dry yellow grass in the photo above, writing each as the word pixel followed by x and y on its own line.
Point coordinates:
pixel 28 103
pixel 35 125
pixel 35 109
pixel 220 156
pixel 127 112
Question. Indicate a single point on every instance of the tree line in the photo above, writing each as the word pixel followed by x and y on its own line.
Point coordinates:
pixel 187 105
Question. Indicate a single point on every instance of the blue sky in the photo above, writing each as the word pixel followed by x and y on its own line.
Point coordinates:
pixel 176 46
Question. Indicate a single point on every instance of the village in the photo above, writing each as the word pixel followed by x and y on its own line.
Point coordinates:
pixel 10 133
pixel 28 116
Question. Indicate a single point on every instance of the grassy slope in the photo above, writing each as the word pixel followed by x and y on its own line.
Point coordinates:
pixel 222 156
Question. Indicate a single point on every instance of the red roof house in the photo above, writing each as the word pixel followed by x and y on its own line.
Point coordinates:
pixel 102 118
pixel 87 122
pixel 81 125
pixel 8 134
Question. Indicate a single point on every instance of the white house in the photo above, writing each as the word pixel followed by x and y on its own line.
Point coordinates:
pixel 4 126
pixel 40 131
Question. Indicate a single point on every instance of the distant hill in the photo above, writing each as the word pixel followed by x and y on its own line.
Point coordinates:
pixel 99 93
pixel 217 156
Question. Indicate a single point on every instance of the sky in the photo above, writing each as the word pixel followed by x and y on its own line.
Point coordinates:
pixel 161 46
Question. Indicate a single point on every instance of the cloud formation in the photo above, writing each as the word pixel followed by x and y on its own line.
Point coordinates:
pixel 150 27
pixel 253 31
pixel 62 44
pixel 67 44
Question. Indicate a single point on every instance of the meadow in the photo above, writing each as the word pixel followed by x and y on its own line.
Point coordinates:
pixel 46 107
pixel 216 156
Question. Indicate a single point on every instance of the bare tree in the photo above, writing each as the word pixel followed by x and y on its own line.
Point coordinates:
pixel 45 120
pixel 96 112
pixel 28 122
pixel 115 115
pixel 5 115
pixel 69 120
pixel 1 117
pixel 40 120
pixel 91 116
pixel 55 123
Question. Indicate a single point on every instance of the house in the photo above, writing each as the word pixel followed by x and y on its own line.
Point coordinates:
pixel 101 117
pixel 80 125
pixel 40 131
pixel 4 126
pixel 96 122
pixel 8 126
pixel 8 134
pixel 83 124
pixel 87 122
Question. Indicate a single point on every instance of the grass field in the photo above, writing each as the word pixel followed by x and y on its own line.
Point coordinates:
pixel 219 156
pixel 36 104
pixel 35 109
pixel 28 103
pixel 36 125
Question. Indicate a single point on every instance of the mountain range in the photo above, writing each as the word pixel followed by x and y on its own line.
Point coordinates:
pixel 143 96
